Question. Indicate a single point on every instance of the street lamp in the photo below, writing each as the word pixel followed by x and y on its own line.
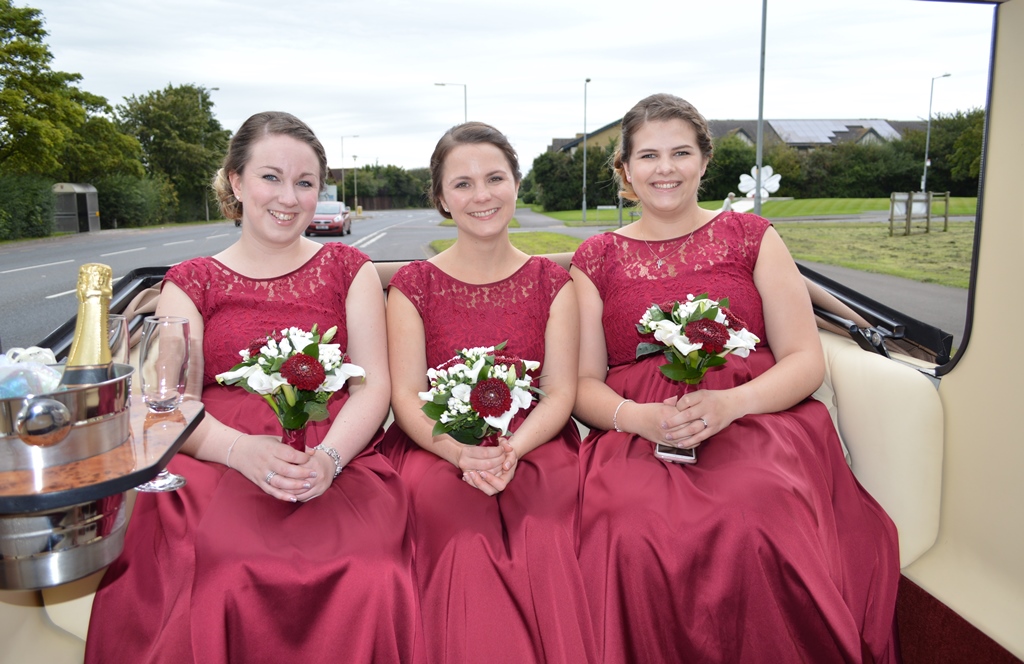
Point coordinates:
pixel 465 99
pixel 928 134
pixel 202 142
pixel 343 165
pixel 355 183
pixel 585 150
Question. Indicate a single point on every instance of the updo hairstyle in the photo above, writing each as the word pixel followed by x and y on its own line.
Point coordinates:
pixel 240 149
pixel 658 107
pixel 465 134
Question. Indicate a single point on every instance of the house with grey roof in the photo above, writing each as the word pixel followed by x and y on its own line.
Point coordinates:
pixel 798 134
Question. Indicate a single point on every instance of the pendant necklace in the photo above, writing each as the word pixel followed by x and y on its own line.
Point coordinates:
pixel 661 259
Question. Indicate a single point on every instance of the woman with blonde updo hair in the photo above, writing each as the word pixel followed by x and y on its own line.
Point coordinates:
pixel 270 553
pixel 761 546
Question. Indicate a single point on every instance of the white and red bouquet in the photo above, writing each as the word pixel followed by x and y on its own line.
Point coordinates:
pixel 295 372
pixel 475 395
pixel 695 335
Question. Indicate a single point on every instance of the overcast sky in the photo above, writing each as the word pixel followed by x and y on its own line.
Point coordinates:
pixel 369 67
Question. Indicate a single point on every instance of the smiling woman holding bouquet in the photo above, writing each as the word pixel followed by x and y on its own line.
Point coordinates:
pixel 272 553
pixel 766 549
pixel 473 332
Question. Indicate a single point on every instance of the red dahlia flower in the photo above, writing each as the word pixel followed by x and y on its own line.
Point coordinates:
pixel 735 322
pixel 255 345
pixel 712 334
pixel 303 371
pixel 491 398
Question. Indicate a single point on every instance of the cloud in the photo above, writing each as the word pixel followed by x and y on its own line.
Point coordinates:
pixel 369 68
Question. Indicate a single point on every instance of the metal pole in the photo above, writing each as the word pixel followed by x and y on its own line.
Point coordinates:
pixel 343 165
pixel 585 150
pixel 928 134
pixel 760 113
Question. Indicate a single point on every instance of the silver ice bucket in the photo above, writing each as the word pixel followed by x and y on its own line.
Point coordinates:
pixel 55 546
pixel 39 431
pixel 63 543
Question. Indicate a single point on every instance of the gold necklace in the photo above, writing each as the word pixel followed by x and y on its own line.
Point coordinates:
pixel 661 259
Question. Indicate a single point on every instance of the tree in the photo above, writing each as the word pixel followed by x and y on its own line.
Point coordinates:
pixel 38 106
pixel 180 139
pixel 966 157
pixel 558 183
pixel 97 148
pixel 732 158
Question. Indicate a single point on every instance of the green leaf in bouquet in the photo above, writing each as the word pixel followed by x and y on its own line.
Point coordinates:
pixel 434 411
pixel 676 372
pixel 466 437
pixel 294 419
pixel 317 411
pixel 714 361
pixel 313 350
pixel 644 349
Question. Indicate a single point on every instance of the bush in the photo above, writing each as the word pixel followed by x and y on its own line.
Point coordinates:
pixel 26 206
pixel 126 201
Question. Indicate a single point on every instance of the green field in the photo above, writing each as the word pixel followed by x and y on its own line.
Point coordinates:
pixel 811 207
pixel 937 257
pixel 533 243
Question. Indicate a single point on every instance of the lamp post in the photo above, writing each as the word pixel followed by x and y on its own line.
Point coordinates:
pixel 343 165
pixel 585 150
pixel 355 183
pixel 202 142
pixel 465 99
pixel 928 134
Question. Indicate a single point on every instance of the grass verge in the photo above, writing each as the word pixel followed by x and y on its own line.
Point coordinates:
pixel 533 243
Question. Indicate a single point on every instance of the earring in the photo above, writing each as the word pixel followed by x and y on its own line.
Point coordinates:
pixel 446 208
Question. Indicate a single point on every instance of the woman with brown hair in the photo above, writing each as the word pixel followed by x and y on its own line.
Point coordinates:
pixel 766 549
pixel 269 553
pixel 494 525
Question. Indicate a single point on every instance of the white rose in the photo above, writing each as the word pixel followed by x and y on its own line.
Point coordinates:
pixel 462 392
pixel 261 383
pixel 336 380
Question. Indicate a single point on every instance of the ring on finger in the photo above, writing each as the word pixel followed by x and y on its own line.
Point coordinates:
pixel 705 422
pixel 270 476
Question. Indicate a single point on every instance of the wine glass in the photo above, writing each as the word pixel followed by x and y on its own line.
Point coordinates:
pixel 118 339
pixel 163 373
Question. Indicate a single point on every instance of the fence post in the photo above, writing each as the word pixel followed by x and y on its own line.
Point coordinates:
pixel 892 210
pixel 910 211
pixel 928 212
pixel 945 225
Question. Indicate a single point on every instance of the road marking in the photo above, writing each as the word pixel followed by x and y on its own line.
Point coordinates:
pixel 126 251
pixel 171 244
pixel 113 280
pixel 214 237
pixel 369 239
pixel 32 267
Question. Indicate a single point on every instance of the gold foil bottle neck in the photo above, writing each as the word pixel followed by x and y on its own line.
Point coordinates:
pixel 89 359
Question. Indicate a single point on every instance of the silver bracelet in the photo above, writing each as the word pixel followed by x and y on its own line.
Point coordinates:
pixel 227 459
pixel 333 453
pixel 615 417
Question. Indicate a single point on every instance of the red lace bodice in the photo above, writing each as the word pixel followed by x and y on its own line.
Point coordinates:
pixel 718 260
pixel 458 315
pixel 237 309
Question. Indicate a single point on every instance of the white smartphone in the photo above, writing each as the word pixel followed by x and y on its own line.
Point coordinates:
pixel 676 454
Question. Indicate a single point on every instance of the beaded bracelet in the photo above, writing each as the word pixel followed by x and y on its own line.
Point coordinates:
pixel 615 417
pixel 335 457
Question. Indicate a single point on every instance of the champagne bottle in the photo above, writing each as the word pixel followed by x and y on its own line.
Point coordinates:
pixel 89 359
